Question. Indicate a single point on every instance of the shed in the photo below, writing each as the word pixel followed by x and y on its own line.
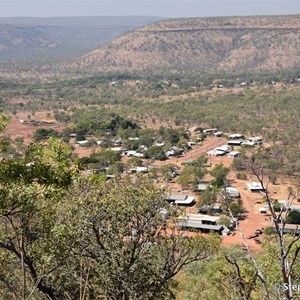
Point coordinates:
pixel 235 136
pixel 201 187
pixel 256 139
pixel 255 187
pixel 248 143
pixel 263 210
pixel 181 199
pixel 210 130
pixel 216 153
pixel 224 148
pixel 290 228
pixel 82 143
pixel 218 134
pixel 116 148
pixel 225 231
pixel 232 192
pixel 234 154
pixel 235 142
pixel 203 223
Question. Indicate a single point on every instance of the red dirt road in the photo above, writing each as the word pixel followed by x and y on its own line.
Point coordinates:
pixel 209 144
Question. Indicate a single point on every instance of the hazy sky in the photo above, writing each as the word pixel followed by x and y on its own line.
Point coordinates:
pixel 165 8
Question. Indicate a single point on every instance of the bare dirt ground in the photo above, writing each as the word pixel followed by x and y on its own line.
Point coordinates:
pixel 17 129
pixel 82 151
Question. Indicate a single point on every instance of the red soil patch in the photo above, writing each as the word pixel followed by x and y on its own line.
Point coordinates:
pixel 85 151
pixel 17 129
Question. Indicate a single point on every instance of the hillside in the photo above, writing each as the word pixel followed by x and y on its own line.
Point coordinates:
pixel 48 39
pixel 229 44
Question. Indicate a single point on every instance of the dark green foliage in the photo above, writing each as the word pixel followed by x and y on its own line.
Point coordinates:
pixel 155 152
pixel 269 230
pixel 62 117
pixel 277 206
pixel 236 208
pixel 208 197
pixel 219 172
pixel 241 176
pixel 43 133
pixel 101 159
pixel 91 124
pixel 293 217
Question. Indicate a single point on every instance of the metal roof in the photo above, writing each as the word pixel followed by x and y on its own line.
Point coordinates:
pixel 195 224
pixel 176 197
pixel 200 217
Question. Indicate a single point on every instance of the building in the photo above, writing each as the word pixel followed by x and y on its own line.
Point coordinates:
pixel 291 228
pixel 264 209
pixel 133 139
pixel 118 142
pixel 181 199
pixel 201 187
pixel 203 223
pixel 224 148
pixel 234 154
pixel 82 143
pixel 256 139
pixel 159 144
pixel 210 130
pixel 232 192
pixel 116 148
pixel 235 136
pixel 255 187
pixel 218 134
pixel 141 170
pixel 237 142
pixel 289 206
pixel 248 143
pixel 216 153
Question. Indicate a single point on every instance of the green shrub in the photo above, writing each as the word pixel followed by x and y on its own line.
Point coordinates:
pixel 241 176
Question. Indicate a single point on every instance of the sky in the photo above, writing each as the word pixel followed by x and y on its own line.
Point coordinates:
pixel 160 8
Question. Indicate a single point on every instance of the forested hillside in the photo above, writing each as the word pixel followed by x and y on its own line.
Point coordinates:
pixel 229 44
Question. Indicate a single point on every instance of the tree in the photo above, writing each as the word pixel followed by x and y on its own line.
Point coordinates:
pixel 127 253
pixel 105 158
pixel 219 172
pixel 208 196
pixel 188 176
pixel 192 173
pixel 224 221
pixel 155 152
pixel 227 275
pixel 236 208
pixel 4 119
pixel 63 236
pixel 135 161
pixel 293 217
pixel 32 190
pixel 43 133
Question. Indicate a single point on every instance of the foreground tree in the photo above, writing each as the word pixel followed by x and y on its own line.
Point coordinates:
pixel 126 251
pixel 63 236
pixel 34 244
